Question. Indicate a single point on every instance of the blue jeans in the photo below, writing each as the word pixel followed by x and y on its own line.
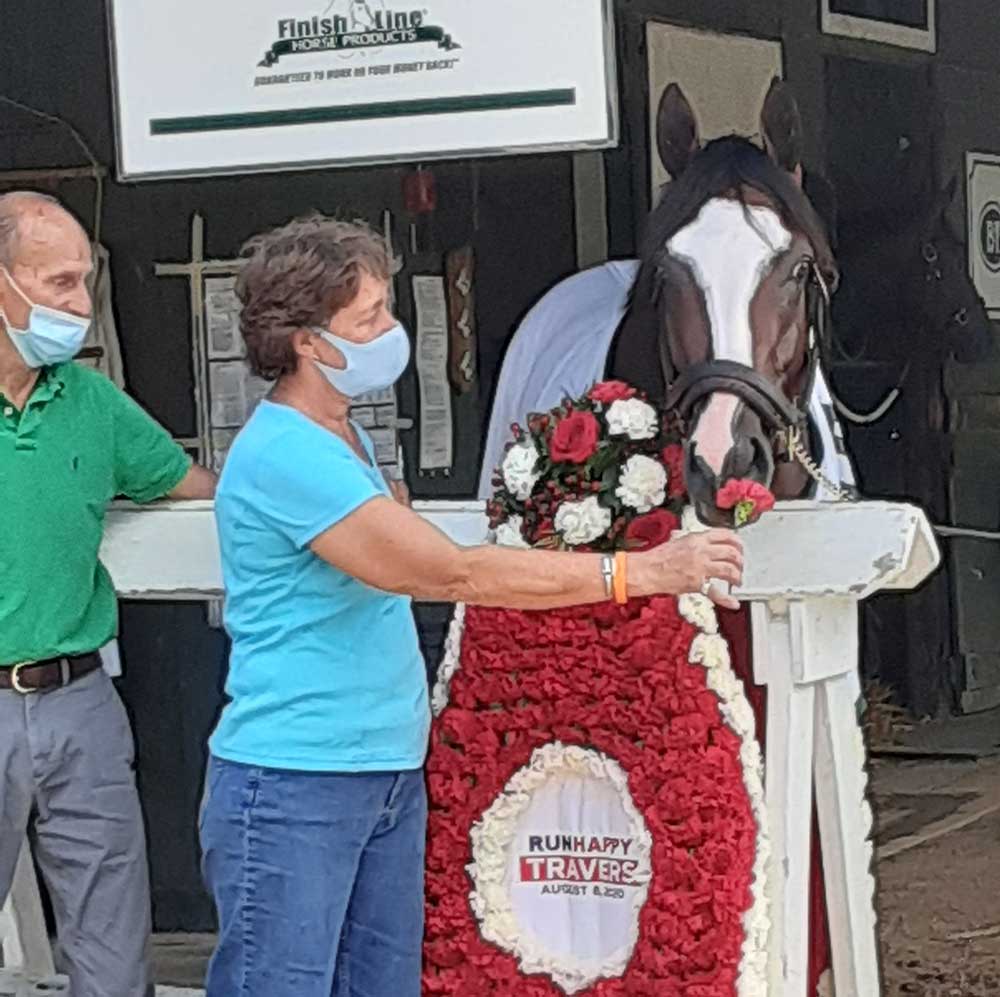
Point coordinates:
pixel 318 879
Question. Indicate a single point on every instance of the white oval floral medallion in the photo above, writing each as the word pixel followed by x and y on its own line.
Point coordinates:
pixel 561 867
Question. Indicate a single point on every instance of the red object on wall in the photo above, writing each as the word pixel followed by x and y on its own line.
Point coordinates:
pixel 419 193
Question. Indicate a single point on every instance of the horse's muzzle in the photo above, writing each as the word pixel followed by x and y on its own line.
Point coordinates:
pixel 749 458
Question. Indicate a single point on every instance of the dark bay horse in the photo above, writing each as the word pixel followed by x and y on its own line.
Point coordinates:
pixel 722 322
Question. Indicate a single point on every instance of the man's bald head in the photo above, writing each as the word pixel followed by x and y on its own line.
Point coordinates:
pixel 13 207
pixel 25 212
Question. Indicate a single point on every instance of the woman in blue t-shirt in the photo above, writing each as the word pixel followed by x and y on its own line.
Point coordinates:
pixel 314 815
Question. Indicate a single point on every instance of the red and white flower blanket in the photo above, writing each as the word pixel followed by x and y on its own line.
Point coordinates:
pixel 596 822
pixel 597 818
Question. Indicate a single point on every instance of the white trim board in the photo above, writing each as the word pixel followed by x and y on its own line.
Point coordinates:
pixel 884 32
pixel 170 550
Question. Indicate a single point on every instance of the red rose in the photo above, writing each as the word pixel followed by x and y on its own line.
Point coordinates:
pixel 643 654
pixel 607 392
pixel 748 498
pixel 575 438
pixel 651 530
pixel 673 460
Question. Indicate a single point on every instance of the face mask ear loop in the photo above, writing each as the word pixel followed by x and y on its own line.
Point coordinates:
pixel 8 325
pixel 17 287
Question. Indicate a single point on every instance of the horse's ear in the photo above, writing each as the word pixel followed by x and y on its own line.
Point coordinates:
pixel 676 131
pixel 781 127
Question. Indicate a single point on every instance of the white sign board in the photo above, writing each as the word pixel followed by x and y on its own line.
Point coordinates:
pixel 907 23
pixel 234 86
pixel 983 198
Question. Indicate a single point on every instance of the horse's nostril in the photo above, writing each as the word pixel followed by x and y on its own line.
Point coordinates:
pixel 749 458
pixel 741 458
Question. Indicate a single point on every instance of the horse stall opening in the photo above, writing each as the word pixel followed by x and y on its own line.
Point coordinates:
pixel 906 314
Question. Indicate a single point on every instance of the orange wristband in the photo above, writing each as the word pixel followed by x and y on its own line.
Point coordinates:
pixel 621 578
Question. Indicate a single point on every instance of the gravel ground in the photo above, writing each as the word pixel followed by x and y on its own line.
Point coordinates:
pixel 939 900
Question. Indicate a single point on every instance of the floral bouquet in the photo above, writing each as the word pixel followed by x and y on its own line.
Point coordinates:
pixel 590 475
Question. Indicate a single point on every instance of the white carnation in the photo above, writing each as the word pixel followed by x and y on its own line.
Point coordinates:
pixel 519 469
pixel 582 522
pixel 643 483
pixel 699 611
pixel 508 534
pixel 633 418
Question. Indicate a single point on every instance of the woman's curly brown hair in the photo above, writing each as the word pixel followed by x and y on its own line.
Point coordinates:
pixel 297 277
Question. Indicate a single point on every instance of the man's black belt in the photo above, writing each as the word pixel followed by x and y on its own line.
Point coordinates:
pixel 53 673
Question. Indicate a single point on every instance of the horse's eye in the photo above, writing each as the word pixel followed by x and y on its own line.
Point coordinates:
pixel 930 252
pixel 961 317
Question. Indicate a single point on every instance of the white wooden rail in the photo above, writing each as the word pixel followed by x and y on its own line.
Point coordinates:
pixel 808 566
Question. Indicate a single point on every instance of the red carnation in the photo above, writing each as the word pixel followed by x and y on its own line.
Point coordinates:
pixel 748 498
pixel 607 392
pixel 575 438
pixel 673 460
pixel 651 530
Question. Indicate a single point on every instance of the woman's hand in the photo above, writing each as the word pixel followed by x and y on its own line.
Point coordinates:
pixel 685 564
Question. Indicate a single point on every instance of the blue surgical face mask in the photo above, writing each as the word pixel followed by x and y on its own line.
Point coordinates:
pixel 371 366
pixel 51 336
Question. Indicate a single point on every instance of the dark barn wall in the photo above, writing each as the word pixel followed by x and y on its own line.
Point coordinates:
pixel 518 215
pixel 889 126
pixel 967 78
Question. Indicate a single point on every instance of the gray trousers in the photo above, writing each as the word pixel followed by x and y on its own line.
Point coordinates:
pixel 66 758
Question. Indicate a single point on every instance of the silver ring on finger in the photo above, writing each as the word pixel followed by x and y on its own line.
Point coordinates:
pixel 706 586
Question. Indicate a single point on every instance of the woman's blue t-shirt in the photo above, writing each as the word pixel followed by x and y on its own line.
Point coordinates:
pixel 325 673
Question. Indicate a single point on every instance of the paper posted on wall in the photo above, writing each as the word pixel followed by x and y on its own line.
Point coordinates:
pixel 235 393
pixel 432 371
pixel 222 319
pixel 226 387
pixel 377 413
pixel 222 440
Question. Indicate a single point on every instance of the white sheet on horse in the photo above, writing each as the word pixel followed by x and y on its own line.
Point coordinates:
pixel 560 349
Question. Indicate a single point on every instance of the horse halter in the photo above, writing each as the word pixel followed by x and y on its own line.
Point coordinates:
pixel 777 413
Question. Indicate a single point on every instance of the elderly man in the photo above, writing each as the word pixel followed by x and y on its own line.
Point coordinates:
pixel 69 442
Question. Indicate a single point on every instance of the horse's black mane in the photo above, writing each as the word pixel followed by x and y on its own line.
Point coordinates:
pixel 728 167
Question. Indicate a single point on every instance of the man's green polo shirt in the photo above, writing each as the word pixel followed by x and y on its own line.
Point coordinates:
pixel 78 443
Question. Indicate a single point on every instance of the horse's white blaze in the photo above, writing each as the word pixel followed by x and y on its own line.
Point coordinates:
pixel 729 249
pixel 713 432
